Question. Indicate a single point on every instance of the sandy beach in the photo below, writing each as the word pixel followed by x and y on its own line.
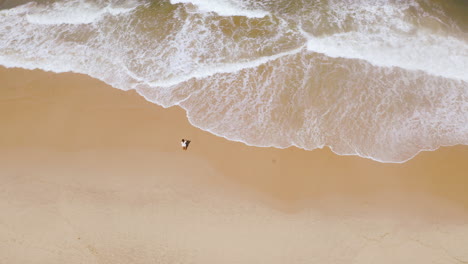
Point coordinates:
pixel 92 174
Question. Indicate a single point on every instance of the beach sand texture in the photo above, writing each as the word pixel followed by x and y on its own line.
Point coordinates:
pixel 92 174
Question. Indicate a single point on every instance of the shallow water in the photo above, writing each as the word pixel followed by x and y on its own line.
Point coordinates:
pixel 379 79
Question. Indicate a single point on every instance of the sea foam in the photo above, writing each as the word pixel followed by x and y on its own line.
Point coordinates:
pixel 224 7
pixel 408 52
pixel 76 11
pixel 386 36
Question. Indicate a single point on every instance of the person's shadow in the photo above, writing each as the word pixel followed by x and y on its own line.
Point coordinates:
pixel 188 142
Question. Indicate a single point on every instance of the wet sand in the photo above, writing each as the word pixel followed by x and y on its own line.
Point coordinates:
pixel 92 174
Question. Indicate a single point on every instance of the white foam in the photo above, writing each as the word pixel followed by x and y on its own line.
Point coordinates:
pixel 76 12
pixel 384 35
pixel 436 55
pixel 224 8
pixel 210 70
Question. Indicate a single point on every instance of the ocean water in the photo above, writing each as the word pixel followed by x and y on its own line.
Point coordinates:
pixel 381 79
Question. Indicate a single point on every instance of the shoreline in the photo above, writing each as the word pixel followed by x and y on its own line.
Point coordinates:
pixel 137 113
pixel 94 174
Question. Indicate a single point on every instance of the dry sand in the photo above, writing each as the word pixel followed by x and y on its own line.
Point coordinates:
pixel 92 174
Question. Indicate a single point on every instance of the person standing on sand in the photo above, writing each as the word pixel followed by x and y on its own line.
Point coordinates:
pixel 185 144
